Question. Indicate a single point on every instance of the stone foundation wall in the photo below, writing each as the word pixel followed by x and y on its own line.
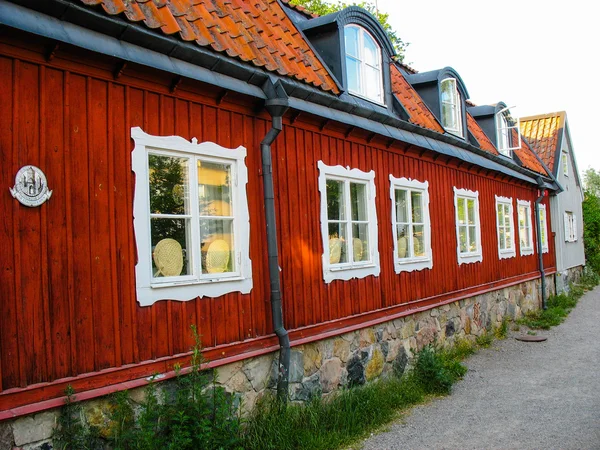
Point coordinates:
pixel 566 277
pixel 325 366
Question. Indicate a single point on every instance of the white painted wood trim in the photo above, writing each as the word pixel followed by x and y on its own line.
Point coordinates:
pixel 512 252
pixel 544 224
pixel 411 264
pixel 188 287
pixel 526 251
pixel 472 257
pixel 349 270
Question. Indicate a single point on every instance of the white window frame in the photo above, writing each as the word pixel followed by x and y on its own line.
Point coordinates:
pixel 504 133
pixel 565 163
pixel 525 251
pixel 349 270
pixel 362 92
pixel 456 105
pixel 468 257
pixel 412 263
pixel 570 227
pixel 543 227
pixel 149 289
pixel 512 251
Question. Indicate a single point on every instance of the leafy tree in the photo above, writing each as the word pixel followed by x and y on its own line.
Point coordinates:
pixel 591 218
pixel 322 7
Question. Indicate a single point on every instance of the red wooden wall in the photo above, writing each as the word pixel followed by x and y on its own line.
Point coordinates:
pixel 67 287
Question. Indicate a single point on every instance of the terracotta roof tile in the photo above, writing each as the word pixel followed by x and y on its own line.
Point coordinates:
pixel 527 156
pixel 484 142
pixel 257 31
pixel 300 8
pixel 419 113
pixel 542 134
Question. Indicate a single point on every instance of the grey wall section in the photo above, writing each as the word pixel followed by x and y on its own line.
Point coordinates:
pixel 568 254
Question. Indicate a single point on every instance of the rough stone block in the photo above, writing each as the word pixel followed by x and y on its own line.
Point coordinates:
pixel 331 373
pixel 312 359
pixel 31 429
pixel 6 436
pixel 341 349
pixel 258 370
pixel 296 366
pixel 375 365
pixel 224 373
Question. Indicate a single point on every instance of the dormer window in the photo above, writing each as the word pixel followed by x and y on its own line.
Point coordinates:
pixel 363 64
pixel 451 107
pixel 504 133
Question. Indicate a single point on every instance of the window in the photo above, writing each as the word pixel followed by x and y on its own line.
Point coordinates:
pixel 565 163
pixel 451 107
pixel 363 64
pixel 468 228
pixel 348 223
pixel 190 218
pixel 504 132
pixel 505 224
pixel 570 227
pixel 411 225
pixel 543 228
pixel 525 231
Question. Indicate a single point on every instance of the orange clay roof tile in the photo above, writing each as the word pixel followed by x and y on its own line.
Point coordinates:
pixel 542 134
pixel 257 31
pixel 419 113
pixel 527 156
pixel 484 141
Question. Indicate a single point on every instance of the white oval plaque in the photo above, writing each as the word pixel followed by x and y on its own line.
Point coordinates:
pixel 31 187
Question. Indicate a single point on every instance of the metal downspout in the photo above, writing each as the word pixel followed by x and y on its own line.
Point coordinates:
pixel 276 108
pixel 538 229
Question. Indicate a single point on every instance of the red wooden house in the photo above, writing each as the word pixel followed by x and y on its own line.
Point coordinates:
pixel 272 177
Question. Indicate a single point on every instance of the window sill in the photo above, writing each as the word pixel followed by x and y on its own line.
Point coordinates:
pixel 348 272
pixel 505 254
pixel 356 94
pixel 196 281
pixel 410 265
pixel 527 251
pixel 469 258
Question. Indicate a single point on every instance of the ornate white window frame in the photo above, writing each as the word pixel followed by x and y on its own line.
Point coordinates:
pixel 411 263
pixel 544 227
pixel 361 269
pixel 196 284
pixel 512 251
pixel 525 251
pixel 468 257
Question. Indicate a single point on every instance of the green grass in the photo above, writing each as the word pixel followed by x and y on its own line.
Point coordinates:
pixel 354 413
pixel 559 306
pixel 485 339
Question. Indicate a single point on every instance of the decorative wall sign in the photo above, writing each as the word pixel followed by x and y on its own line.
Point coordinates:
pixel 31 187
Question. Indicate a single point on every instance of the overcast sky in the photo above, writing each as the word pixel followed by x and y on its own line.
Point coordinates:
pixel 538 55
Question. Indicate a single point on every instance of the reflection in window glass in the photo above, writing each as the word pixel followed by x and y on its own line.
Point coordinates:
pixel 451 107
pixel 467 224
pixel 410 230
pixel 363 64
pixel 348 236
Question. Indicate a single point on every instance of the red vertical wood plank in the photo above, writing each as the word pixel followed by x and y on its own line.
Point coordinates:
pixel 9 336
pixel 58 319
pixel 29 227
pixel 48 360
pixel 99 184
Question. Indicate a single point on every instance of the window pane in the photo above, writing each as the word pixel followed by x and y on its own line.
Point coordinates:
pixel 168 181
pixel 371 51
pixel 419 240
pixel 502 238
pixel 401 207
pixel 217 245
pixel 170 243
pixel 337 243
pixel 351 37
pixel 462 216
pixel 521 216
pixel 462 238
pixel 358 201
pixel 447 90
pixel 471 210
pixel 373 83
pixel 360 241
pixel 500 212
pixel 353 72
pixel 417 206
pixel 448 116
pixel 403 247
pixel 214 189
pixel 508 239
pixel 336 206
pixel 507 220
pixel 472 239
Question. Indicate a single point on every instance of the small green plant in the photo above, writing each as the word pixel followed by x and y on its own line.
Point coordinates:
pixel 72 433
pixel 197 414
pixel 485 339
pixel 502 331
pixel 436 370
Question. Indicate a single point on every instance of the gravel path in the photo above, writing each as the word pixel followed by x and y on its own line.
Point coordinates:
pixel 517 395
